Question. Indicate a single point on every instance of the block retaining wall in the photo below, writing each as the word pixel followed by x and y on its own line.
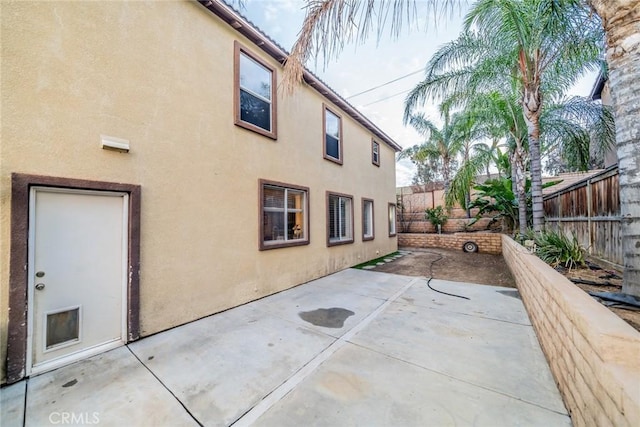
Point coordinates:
pixel 453 225
pixel 490 243
pixel 593 354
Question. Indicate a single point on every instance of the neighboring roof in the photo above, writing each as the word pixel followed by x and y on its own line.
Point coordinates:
pixel 568 179
pixel 598 86
pixel 482 178
pixel 253 33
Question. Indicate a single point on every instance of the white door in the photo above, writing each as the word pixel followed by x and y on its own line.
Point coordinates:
pixel 77 271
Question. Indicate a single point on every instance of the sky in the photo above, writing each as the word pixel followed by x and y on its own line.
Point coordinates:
pixel 362 67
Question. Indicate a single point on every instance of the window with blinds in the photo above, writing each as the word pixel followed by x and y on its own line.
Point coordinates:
pixel 339 219
pixel 367 219
pixel 284 215
pixel 392 219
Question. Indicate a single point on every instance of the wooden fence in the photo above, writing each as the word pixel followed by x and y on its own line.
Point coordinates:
pixel 590 209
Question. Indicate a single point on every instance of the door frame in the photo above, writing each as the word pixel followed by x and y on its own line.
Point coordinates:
pixel 21 184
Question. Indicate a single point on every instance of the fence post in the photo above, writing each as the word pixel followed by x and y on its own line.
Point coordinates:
pixel 589 214
pixel 559 202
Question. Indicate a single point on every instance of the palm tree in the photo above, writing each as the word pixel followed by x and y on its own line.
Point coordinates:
pixel 469 130
pixel 538 47
pixel 441 144
pixel 501 116
pixel 566 128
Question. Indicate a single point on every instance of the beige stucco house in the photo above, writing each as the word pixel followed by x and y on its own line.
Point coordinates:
pixel 152 173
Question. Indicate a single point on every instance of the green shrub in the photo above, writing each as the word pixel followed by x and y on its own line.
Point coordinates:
pixel 436 216
pixel 529 234
pixel 495 197
pixel 556 248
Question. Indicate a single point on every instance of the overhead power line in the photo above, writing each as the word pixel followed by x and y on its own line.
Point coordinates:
pixel 385 84
pixel 387 97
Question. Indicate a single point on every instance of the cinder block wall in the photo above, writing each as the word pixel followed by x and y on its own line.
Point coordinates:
pixel 593 354
pixel 490 243
pixel 451 226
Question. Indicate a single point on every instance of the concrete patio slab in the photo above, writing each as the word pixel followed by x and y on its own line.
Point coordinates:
pixel 353 348
pixel 12 404
pixel 112 389
pixel 493 354
pixel 221 366
pixel 363 283
pixel 361 387
pixel 491 302
pixel 290 305
pixel 358 291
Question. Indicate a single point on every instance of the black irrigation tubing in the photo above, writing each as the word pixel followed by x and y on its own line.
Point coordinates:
pixel 431 277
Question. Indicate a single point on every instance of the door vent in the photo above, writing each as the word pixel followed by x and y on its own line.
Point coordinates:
pixel 63 327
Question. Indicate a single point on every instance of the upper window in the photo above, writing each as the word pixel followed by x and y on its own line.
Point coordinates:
pixel 367 219
pixel 392 219
pixel 332 136
pixel 284 211
pixel 255 93
pixel 339 219
pixel 375 153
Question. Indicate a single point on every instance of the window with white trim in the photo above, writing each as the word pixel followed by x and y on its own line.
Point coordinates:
pixel 284 210
pixel 332 136
pixel 339 219
pixel 375 153
pixel 392 219
pixel 255 83
pixel 367 219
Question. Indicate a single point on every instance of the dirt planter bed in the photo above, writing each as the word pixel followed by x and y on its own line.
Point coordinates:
pixel 593 354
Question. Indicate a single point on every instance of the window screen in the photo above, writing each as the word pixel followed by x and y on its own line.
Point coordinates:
pixel 340 219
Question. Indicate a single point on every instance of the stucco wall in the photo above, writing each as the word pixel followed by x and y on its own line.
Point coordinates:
pixel 160 74
pixel 593 354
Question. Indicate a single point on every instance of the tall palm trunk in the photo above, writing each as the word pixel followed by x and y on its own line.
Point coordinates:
pixel 512 161
pixel 519 181
pixel 467 195
pixel 621 20
pixel 531 102
pixel 446 172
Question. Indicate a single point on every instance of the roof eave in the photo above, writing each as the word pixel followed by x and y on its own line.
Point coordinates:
pixel 240 24
pixel 598 86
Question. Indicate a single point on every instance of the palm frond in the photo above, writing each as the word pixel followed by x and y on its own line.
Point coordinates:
pixel 505 20
pixel 458 53
pixel 575 129
pixel 425 127
pixel 330 24
pixel 464 179
pixel 461 69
